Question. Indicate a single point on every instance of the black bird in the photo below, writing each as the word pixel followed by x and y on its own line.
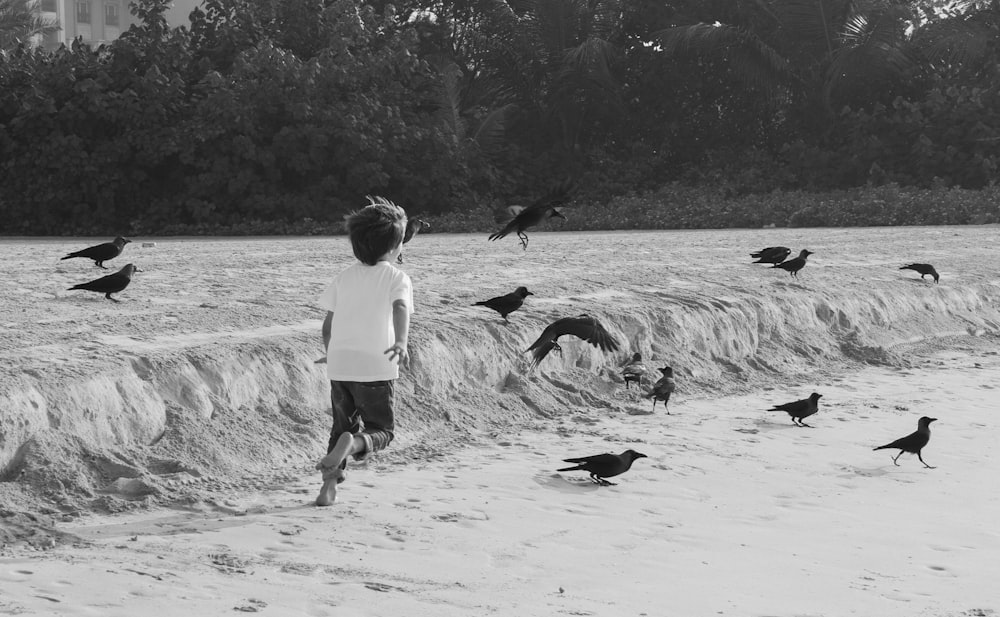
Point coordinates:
pixel 633 370
pixel 101 252
pixel 503 215
pixel 912 443
pixel 923 269
pixel 663 388
pixel 507 303
pixel 110 284
pixel 799 410
pixel 603 466
pixel 413 227
pixel 794 265
pixel 771 255
pixel 536 213
pixel 584 327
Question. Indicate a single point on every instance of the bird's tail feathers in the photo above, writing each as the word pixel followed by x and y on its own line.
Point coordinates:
pixel 70 256
pixel 571 468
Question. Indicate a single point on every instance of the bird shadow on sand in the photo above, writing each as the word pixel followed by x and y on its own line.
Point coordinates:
pixel 771 425
pixel 563 484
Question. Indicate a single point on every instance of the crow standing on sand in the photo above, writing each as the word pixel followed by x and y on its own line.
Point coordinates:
pixel 912 443
pixel 101 252
pixel 771 255
pixel 799 410
pixel 507 303
pixel 110 284
pixel 584 327
pixel 663 388
pixel 536 213
pixel 794 265
pixel 603 466
pixel 633 370
pixel 923 269
pixel 413 227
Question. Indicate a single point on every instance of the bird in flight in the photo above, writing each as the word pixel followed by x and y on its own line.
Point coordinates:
pixel 413 227
pixel 537 212
pixel 584 327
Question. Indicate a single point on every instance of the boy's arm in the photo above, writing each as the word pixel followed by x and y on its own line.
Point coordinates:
pixel 401 326
pixel 327 329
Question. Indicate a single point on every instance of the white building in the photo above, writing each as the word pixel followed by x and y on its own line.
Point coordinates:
pixel 100 21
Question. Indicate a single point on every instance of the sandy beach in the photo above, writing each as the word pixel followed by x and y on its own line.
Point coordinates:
pixel 174 458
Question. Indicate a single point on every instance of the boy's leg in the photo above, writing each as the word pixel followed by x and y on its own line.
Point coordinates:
pixel 346 419
pixel 374 401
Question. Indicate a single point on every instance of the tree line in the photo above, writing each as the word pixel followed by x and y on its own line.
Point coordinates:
pixel 286 111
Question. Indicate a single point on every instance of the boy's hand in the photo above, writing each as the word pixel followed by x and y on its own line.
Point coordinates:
pixel 398 353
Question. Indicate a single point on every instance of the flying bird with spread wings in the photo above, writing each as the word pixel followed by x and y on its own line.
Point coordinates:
pixel 583 327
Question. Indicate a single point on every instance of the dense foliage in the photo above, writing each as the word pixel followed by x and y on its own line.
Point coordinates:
pixel 278 116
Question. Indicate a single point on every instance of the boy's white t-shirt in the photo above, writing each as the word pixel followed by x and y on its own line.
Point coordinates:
pixel 361 298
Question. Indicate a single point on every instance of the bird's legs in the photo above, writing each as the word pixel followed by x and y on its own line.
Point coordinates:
pixel 100 264
pixel 897 456
pixel 922 461
pixel 601 481
pixel 399 258
pixel 524 239
pixel 108 296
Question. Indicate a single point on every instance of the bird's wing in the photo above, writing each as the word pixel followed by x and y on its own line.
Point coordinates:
pixel 99 251
pixel 793 407
pixel 541 349
pixel 597 458
pixel 586 328
pixel 556 196
pixel 112 282
pixel 509 227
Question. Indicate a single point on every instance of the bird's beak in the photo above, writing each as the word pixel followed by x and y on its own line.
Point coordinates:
pixel 640 455
pixel 138 270
pixel 932 420
pixel 529 293
pixel 558 214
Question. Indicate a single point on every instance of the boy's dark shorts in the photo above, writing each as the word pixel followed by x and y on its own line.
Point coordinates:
pixel 365 408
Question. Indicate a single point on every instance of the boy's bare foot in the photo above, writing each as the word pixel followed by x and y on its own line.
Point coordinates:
pixel 346 445
pixel 327 494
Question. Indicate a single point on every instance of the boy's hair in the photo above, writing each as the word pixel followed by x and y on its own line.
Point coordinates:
pixel 375 229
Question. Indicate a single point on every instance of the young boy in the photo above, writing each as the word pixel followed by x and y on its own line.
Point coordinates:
pixel 369 305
